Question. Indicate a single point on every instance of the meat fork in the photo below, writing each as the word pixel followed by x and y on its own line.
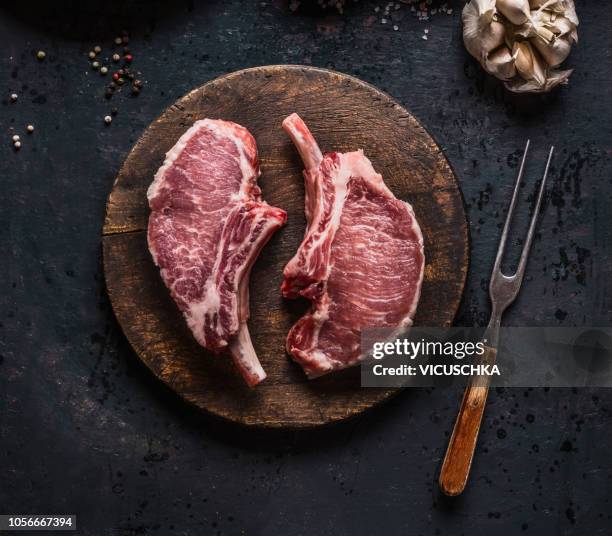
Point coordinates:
pixel 503 290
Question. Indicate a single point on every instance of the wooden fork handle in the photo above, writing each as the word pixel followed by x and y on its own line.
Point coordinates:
pixel 460 452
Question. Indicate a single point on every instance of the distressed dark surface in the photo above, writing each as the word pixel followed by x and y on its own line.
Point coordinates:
pixel 85 428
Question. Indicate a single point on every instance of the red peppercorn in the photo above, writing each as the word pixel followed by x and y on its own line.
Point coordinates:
pixel 115 76
pixel 128 58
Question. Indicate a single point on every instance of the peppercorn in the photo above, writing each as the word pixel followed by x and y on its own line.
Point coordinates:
pixel 92 55
pixel 108 119
pixel 135 90
pixel 41 55
pixel 17 145
pixel 116 57
pixel 126 50
pixel 30 129
pixel 97 49
pixel 112 86
pixel 118 40
pixel 103 70
pixel 14 97
pixel 120 81
pixel 125 39
pixel 95 64
pixel 121 72
pixel 16 138
pixel 129 58
pixel 138 84
pixel 130 76
pixel 115 76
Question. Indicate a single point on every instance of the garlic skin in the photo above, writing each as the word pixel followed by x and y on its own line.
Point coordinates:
pixel 522 42
pixel 516 11
pixel 501 63
pixel 555 51
pixel 528 64
pixel 554 79
pixel 482 32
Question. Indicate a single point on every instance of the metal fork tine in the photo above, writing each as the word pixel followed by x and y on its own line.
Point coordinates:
pixel 502 243
pixel 503 290
pixel 525 253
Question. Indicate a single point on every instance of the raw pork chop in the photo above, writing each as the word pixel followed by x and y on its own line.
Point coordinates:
pixel 207 226
pixel 361 260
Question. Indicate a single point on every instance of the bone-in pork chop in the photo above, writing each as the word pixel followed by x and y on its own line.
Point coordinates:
pixel 208 224
pixel 361 260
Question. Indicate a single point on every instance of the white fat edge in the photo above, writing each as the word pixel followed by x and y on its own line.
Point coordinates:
pixel 361 166
pixel 365 169
pixel 341 181
pixel 243 275
pixel 320 316
pixel 221 129
pixel 212 301
pixel 416 228
pixel 321 360
pixel 171 156
pixel 246 168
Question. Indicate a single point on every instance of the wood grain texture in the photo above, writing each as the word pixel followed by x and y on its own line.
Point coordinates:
pixel 460 452
pixel 344 114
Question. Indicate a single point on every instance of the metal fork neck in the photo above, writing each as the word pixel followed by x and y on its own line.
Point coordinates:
pixel 491 334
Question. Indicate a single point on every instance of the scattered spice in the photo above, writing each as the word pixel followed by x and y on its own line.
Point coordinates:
pixel 14 97
pixel 17 145
pixel 16 137
pixel 121 74
pixel 30 129
pixel 41 55
pixel 108 119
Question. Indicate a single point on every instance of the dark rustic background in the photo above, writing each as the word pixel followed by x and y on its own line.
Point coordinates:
pixel 85 429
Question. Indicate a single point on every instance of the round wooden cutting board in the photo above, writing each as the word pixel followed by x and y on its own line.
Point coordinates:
pixel 344 114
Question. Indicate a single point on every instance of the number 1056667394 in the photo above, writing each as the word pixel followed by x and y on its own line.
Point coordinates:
pixel 12 522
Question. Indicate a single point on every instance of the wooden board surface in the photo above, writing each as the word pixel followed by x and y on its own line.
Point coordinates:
pixel 344 114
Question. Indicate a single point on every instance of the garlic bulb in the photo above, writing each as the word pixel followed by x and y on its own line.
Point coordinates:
pixel 482 32
pixel 522 41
